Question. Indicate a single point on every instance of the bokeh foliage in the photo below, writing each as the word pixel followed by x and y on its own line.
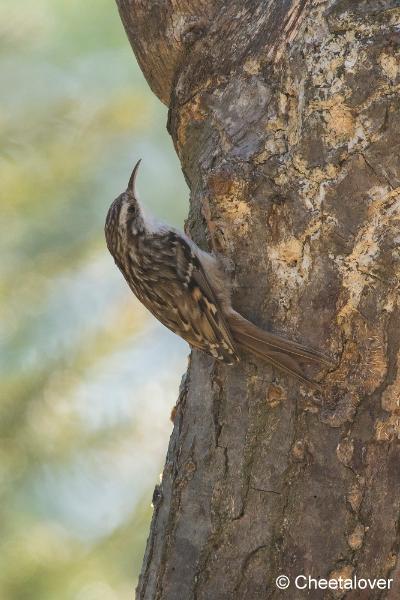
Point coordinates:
pixel 87 377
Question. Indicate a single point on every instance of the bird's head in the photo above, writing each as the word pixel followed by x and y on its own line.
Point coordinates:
pixel 124 214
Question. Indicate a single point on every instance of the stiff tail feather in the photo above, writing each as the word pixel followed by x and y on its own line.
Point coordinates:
pixel 283 354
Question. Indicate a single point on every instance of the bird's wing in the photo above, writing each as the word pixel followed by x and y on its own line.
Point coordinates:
pixel 197 314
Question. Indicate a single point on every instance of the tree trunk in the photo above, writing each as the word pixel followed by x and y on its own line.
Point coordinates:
pixel 286 119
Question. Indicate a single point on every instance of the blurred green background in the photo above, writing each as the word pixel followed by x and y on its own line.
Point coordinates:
pixel 88 378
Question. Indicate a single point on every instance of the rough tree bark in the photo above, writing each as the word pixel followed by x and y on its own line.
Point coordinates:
pixel 286 118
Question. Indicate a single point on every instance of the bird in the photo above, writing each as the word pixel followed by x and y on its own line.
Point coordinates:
pixel 187 289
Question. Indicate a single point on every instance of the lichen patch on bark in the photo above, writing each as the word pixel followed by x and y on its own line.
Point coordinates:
pixel 391 395
pixel 390 65
pixel 228 205
pixel 388 430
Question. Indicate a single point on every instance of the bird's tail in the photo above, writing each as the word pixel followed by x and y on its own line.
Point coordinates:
pixel 281 353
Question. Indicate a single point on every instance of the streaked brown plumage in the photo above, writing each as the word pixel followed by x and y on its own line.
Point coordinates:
pixel 185 289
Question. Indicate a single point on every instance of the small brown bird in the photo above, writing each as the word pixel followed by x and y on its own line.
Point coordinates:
pixel 185 288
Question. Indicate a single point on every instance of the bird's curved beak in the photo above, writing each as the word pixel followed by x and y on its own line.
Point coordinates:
pixel 131 184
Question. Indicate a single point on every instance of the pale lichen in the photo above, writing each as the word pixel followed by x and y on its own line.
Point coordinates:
pixel 390 65
pixel 355 539
pixel 275 395
pixel 356 494
pixel 228 204
pixel 356 268
pixel 388 430
pixel 344 451
pixel 391 395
